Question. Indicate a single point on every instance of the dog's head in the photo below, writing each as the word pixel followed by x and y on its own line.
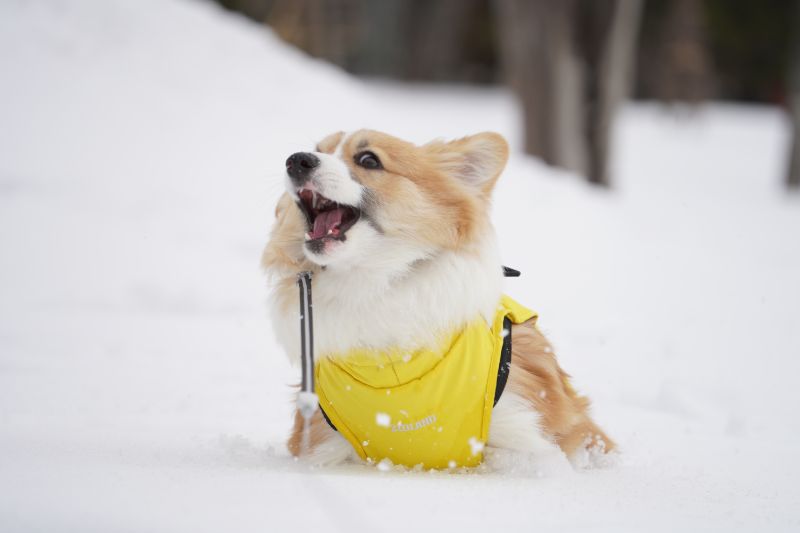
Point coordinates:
pixel 368 198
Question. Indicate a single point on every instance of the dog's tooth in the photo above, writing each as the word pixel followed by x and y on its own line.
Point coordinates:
pixel 308 236
pixel 313 199
pixel 330 232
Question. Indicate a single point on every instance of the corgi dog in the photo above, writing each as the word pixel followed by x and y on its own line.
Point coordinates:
pixel 405 260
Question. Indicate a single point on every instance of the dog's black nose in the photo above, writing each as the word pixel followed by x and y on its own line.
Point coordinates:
pixel 299 165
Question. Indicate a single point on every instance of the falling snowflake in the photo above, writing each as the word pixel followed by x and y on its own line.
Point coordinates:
pixel 475 445
pixel 383 420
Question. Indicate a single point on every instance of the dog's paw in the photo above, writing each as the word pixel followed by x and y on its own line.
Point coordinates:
pixel 594 453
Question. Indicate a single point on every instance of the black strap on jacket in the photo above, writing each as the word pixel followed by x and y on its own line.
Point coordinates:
pixel 505 361
pixel 503 370
pixel 505 353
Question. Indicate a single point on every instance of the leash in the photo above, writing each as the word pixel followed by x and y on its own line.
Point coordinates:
pixel 307 400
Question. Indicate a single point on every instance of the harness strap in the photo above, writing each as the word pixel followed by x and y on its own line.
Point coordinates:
pixel 504 369
pixel 306 332
pixel 505 353
pixel 328 420
pixel 307 399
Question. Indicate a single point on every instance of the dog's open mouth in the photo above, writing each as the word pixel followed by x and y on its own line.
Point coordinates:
pixel 326 219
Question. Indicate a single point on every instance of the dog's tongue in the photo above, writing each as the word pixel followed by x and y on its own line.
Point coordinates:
pixel 327 220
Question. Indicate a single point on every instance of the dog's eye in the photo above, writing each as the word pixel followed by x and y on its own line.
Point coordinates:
pixel 368 160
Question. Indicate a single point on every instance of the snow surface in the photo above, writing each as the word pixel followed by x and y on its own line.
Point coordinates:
pixel 141 151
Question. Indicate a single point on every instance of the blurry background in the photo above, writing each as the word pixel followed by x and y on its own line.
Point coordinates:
pixel 142 150
pixel 570 62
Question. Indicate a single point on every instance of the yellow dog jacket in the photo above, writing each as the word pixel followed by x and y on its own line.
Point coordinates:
pixel 428 407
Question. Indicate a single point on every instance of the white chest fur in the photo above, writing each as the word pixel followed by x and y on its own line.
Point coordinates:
pixel 357 308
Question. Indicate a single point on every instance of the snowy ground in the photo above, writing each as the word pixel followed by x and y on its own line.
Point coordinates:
pixel 141 148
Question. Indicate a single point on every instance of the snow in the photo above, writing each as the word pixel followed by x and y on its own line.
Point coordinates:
pixel 382 419
pixel 385 465
pixel 307 403
pixel 475 446
pixel 141 153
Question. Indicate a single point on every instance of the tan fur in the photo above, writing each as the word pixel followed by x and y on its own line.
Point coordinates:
pixel 319 431
pixel 445 152
pixel 283 254
pixel 329 143
pixel 418 188
pixel 536 376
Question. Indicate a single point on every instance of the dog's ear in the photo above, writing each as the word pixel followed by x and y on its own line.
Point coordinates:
pixel 477 160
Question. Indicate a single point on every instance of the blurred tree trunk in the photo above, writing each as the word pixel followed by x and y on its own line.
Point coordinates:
pixel 535 47
pixel 676 61
pixel 793 178
pixel 609 58
pixel 570 63
pixel 437 37
pixel 383 50
pixel 327 29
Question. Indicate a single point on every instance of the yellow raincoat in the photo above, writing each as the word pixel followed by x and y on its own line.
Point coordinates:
pixel 426 407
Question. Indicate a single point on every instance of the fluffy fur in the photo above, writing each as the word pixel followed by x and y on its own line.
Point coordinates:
pixel 421 260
